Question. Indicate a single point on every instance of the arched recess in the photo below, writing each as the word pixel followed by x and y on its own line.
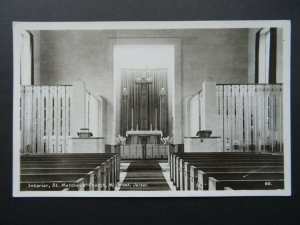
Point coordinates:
pixel 175 119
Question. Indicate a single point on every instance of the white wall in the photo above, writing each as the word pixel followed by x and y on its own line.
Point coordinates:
pixel 207 54
pixel 251 55
pixel 194 115
pixel 279 59
pixel 201 111
pixel 37 57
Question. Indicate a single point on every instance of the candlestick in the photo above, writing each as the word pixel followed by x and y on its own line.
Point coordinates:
pixel 155 118
pixel 131 118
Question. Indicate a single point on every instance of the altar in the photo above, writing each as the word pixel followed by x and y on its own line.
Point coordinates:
pixel 144 136
pixel 144 105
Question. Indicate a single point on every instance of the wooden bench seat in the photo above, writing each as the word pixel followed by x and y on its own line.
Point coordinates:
pixel 203 177
pixel 103 170
pixel 58 159
pixel 190 171
pixel 179 175
pixel 191 178
pixel 99 175
pixel 175 158
pixel 178 161
pixel 77 185
pixel 255 184
pixel 104 174
pixel 55 179
pixel 185 168
pixel 180 164
pixel 74 157
pixel 55 170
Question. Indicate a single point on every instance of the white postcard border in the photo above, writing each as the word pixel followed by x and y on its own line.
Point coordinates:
pixel 19 27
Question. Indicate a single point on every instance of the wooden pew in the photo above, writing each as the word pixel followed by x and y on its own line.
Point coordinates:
pixel 107 168
pixel 103 172
pixel 203 177
pixel 110 165
pixel 179 173
pixel 191 176
pixel 96 170
pixel 174 161
pixel 188 172
pixel 194 180
pixel 222 156
pixel 254 184
pixel 69 185
pixel 183 168
pixel 75 156
pixel 57 179
pixel 80 156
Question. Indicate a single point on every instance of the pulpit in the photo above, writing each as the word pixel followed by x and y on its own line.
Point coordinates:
pixel 205 144
pixel 87 145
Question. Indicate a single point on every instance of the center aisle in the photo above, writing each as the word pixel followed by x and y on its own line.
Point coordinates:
pixel 144 175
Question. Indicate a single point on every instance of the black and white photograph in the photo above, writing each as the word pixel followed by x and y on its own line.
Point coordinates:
pixel 151 109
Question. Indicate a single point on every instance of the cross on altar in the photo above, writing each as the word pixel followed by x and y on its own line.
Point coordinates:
pixel 144 82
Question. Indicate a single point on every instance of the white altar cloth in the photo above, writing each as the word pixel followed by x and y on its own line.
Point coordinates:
pixel 144 133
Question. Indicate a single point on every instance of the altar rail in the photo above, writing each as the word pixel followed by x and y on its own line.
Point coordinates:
pixel 148 151
pixel 47 117
pixel 250 117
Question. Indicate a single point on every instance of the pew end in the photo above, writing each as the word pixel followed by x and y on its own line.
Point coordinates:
pixel 212 183
pixel 97 176
pixel 228 189
pixel 91 180
pixel 186 176
pixel 79 184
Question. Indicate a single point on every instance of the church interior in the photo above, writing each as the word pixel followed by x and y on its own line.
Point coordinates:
pixel 151 109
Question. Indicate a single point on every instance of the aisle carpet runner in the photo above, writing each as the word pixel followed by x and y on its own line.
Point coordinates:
pixel 144 175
